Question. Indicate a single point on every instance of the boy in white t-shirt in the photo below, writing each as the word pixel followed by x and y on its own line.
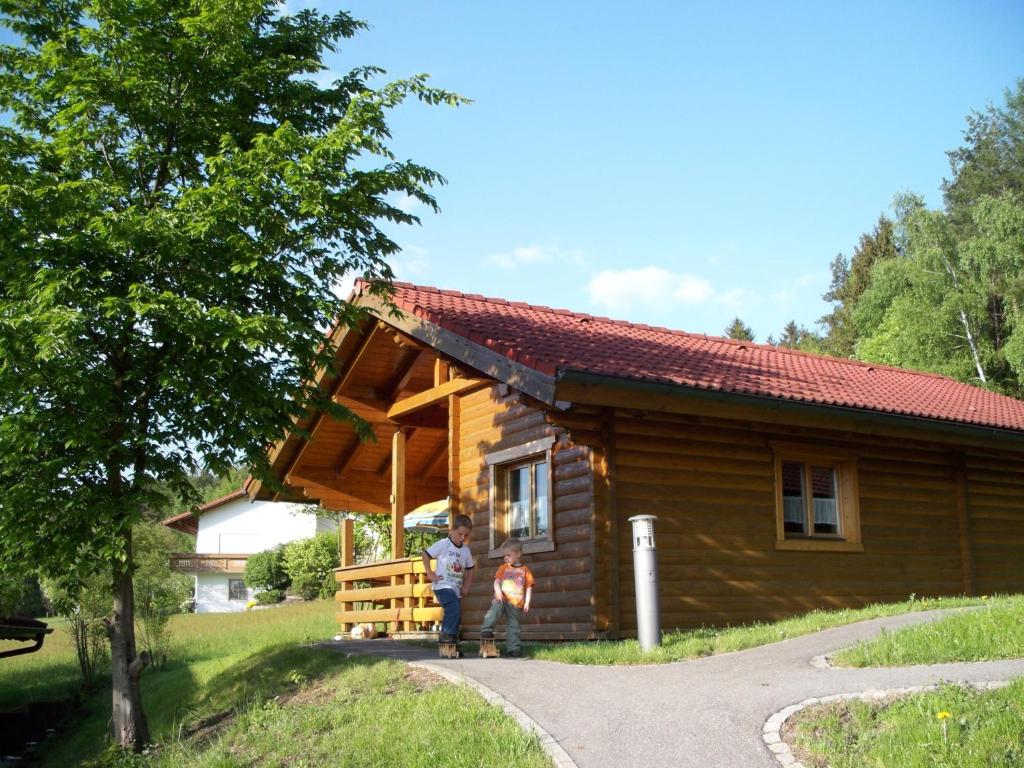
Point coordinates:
pixel 453 576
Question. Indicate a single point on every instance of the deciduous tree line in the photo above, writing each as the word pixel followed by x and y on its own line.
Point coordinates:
pixel 940 290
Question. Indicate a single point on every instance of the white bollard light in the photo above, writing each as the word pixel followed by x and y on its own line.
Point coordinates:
pixel 645 576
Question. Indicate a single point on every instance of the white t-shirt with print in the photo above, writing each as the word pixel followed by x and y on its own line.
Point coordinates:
pixel 452 563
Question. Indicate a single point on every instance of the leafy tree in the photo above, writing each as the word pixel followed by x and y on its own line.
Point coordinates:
pixel 310 565
pixel 991 161
pixel 160 593
pixel 850 280
pixel 737 329
pixel 86 606
pixel 265 570
pixel 180 201
pixel 797 337
pixel 953 304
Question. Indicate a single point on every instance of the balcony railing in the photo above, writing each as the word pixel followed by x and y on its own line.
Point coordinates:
pixel 395 592
pixel 195 562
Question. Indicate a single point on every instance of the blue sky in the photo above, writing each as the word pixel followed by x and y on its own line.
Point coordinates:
pixel 675 163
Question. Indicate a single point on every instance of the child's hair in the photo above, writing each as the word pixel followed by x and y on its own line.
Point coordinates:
pixel 512 545
pixel 462 521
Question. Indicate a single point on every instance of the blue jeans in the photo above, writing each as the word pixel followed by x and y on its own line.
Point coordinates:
pixel 452 604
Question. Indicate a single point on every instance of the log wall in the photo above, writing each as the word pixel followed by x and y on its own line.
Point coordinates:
pixel 489 421
pixel 711 484
pixel 995 502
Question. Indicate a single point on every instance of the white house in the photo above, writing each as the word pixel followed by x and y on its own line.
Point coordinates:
pixel 230 529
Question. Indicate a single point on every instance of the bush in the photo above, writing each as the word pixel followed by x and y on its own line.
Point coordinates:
pixel 159 592
pixel 269 597
pixel 265 571
pixel 310 562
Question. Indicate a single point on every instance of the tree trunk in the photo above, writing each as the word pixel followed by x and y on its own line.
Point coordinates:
pixel 128 721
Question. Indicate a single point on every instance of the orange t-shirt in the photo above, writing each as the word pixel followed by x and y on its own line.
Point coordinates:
pixel 514 581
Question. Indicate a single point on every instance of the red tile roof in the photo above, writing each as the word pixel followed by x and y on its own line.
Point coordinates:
pixel 557 341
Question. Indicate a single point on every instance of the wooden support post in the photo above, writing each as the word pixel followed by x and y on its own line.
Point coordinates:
pixel 345 586
pixel 963 515
pixel 440 372
pixel 612 522
pixel 454 422
pixel 346 542
pixel 398 494
pixel 408 625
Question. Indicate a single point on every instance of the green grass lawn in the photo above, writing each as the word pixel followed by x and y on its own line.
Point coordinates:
pixel 49 673
pixel 694 643
pixel 239 690
pixel 995 631
pixel 952 727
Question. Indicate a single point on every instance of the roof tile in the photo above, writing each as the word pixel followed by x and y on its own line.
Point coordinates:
pixel 556 341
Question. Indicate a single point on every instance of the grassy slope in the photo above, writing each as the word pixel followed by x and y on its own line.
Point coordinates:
pixel 980 730
pixel 993 632
pixel 48 674
pixel 692 644
pixel 226 663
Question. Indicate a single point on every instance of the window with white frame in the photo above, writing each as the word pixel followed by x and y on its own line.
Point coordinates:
pixel 521 496
pixel 237 590
pixel 816 498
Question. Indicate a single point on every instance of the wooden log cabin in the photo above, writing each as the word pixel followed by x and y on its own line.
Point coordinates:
pixel 782 481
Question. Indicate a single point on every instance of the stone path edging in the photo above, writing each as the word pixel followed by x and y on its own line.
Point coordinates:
pixel 548 742
pixel 772 731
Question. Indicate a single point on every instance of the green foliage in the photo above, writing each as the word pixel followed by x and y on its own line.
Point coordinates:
pixel 737 329
pixel 991 161
pixel 994 631
pixel 941 291
pixel 850 280
pixel 270 597
pixel 952 303
pixel 20 594
pixel 951 727
pixel 86 606
pixel 310 563
pixel 180 200
pixel 265 570
pixel 159 592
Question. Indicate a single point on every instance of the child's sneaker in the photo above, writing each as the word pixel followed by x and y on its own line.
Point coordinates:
pixel 487 634
pixel 513 654
pixel 446 639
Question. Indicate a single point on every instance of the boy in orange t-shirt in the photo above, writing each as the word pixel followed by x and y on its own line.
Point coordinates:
pixel 513 588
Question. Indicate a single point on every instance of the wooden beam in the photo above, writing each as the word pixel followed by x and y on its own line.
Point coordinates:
pixel 339 384
pixel 385 465
pixel 348 458
pixel 430 465
pixel 404 371
pixel 346 542
pixel 398 494
pixel 441 372
pixel 529 380
pixel 433 396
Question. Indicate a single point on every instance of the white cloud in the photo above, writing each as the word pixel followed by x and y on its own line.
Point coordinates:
pixel 787 298
pixel 619 290
pixel 525 255
pixel 411 263
pixel 408 203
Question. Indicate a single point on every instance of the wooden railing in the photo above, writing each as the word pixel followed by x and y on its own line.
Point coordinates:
pixel 208 563
pixel 393 591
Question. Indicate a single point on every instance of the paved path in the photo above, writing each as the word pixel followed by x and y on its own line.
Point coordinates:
pixel 705 713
